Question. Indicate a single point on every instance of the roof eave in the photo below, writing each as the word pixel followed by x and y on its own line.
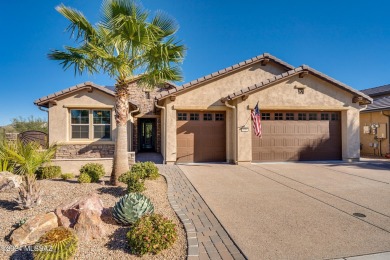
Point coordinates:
pixel 224 72
pixel 301 69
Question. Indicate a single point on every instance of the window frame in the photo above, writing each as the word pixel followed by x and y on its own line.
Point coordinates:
pixel 182 116
pixel 266 116
pixel 278 116
pixel 91 124
pixel 194 116
pixel 313 116
pixel 219 117
pixel 290 116
pixel 207 116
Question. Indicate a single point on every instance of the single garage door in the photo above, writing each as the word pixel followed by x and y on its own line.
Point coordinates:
pixel 298 136
pixel 201 136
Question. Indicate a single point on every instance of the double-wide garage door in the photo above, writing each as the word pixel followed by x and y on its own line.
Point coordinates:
pixel 201 136
pixel 298 136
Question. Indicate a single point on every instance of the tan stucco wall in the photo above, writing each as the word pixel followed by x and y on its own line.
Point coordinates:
pixel 207 97
pixel 369 118
pixel 318 95
pixel 74 165
pixel 59 117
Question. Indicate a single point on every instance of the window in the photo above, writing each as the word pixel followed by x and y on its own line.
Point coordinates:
pixel 81 124
pixel 207 117
pixel 181 116
pixel 324 116
pixel 289 116
pixel 278 116
pixel 301 116
pixel 312 116
pixel 219 117
pixel 101 124
pixel 265 116
pixel 194 116
pixel 335 116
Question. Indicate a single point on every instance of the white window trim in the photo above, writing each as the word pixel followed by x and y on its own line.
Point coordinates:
pixel 90 125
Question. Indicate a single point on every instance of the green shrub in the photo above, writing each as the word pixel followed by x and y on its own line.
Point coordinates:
pixel 151 170
pixel 146 170
pixel 48 172
pixel 151 234
pixel 124 177
pixel 94 170
pixel 67 176
pixel 84 178
pixel 139 169
pixel 135 183
pixel 58 243
pixel 131 207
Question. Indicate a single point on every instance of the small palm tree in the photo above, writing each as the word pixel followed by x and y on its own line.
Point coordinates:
pixel 126 45
pixel 26 159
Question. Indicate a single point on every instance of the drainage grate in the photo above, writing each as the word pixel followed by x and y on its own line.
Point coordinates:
pixel 359 215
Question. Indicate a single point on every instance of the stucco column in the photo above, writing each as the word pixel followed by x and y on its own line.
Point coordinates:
pixel 244 139
pixel 171 134
pixel 350 134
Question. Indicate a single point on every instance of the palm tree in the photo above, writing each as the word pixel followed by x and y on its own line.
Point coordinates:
pixel 26 159
pixel 127 45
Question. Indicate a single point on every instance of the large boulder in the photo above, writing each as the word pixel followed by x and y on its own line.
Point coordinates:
pixel 33 229
pixel 9 181
pixel 84 215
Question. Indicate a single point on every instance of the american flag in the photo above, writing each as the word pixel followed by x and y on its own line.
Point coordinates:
pixel 256 120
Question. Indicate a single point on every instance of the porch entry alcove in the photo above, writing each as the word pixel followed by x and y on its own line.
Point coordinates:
pixel 147 135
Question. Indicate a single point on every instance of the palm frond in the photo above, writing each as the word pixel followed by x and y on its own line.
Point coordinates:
pixel 76 58
pixel 166 24
pixel 79 26
pixel 111 9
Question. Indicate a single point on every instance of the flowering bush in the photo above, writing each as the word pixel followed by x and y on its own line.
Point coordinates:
pixel 151 234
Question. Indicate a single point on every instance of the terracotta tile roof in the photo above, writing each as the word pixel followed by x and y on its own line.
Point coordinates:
pixel 381 90
pixel 44 101
pixel 290 73
pixel 380 103
pixel 222 72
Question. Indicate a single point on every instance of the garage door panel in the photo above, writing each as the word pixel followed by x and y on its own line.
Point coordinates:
pixel 303 139
pixel 201 140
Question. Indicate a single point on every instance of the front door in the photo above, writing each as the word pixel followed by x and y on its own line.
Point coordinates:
pixel 147 130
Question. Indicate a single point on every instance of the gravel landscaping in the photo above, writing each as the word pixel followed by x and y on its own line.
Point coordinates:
pixel 112 246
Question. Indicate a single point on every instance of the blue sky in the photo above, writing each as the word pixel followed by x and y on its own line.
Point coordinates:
pixel 347 40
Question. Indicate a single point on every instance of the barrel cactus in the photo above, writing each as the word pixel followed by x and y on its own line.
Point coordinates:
pixel 58 243
pixel 131 207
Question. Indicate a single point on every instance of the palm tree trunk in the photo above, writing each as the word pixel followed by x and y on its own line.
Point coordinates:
pixel 121 162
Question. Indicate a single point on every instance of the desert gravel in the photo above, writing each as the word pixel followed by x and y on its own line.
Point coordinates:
pixel 112 246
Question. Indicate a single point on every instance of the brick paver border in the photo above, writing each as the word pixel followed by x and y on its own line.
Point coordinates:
pixel 206 237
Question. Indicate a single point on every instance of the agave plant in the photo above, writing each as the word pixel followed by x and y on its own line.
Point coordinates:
pixel 131 207
pixel 26 159
pixel 58 243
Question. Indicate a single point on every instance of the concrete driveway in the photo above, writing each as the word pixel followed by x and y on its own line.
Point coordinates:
pixel 299 210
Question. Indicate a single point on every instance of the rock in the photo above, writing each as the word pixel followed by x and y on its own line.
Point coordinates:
pixel 89 225
pixel 84 215
pixel 33 229
pixel 9 181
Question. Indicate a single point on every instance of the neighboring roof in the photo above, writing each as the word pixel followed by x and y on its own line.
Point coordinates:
pixel 222 72
pixel 293 72
pixel 381 90
pixel 44 101
pixel 381 103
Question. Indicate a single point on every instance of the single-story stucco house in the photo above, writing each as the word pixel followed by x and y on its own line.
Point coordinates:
pixel 306 115
pixel 375 121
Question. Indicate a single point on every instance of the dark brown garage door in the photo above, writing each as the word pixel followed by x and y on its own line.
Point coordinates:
pixel 201 137
pixel 298 136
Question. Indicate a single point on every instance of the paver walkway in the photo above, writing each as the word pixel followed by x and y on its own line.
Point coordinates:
pixel 207 239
